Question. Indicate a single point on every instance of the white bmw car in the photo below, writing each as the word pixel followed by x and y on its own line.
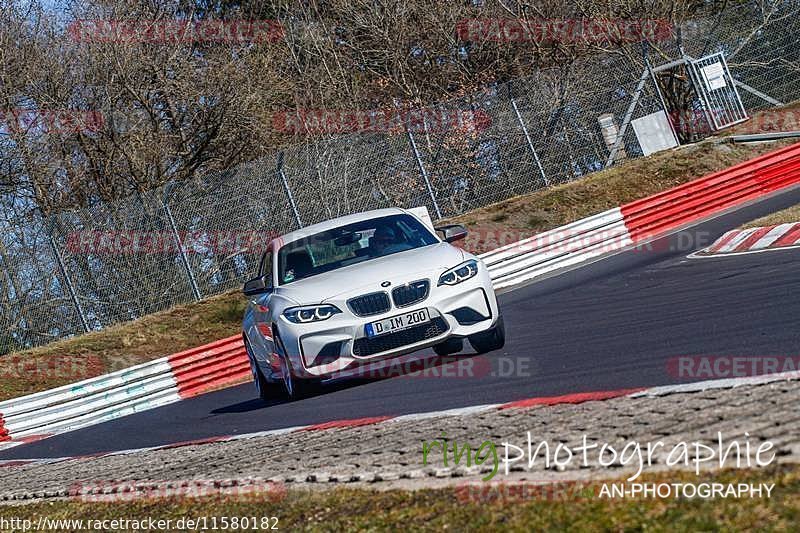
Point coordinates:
pixel 361 289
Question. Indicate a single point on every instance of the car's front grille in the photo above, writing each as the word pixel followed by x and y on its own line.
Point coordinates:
pixel 369 304
pixel 365 347
pixel 414 292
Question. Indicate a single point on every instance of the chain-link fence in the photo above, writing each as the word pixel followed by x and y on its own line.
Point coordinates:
pixel 87 269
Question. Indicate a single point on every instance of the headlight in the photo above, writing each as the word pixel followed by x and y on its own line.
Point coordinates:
pixel 310 313
pixel 462 272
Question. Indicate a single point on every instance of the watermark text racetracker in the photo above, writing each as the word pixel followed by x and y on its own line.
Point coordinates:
pixel 400 121
pixel 693 367
pixel 565 31
pixel 130 242
pixel 62 367
pixel 50 121
pixel 244 489
pixel 175 31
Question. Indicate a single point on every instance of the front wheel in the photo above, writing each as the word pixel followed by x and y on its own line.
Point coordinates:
pixel 491 339
pixel 293 387
pixel 266 390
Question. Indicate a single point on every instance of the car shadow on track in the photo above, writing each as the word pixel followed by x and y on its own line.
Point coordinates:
pixel 431 367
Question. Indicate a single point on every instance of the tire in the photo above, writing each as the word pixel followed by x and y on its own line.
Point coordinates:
pixel 491 339
pixel 450 346
pixel 293 388
pixel 265 389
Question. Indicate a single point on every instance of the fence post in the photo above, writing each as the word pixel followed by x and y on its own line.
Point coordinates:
pixel 287 190
pixel 423 172
pixel 627 120
pixel 528 140
pixel 184 259
pixel 73 295
pixel 661 99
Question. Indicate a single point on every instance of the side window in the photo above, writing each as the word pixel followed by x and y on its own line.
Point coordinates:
pixel 265 270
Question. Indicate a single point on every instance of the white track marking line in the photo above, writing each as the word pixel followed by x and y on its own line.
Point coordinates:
pixel 697 255
pixel 459 411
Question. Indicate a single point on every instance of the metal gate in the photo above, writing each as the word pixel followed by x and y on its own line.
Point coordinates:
pixel 716 89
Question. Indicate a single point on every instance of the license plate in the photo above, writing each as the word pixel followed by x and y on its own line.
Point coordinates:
pixel 398 322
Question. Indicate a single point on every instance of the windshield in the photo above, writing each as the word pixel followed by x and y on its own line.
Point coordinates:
pixel 351 244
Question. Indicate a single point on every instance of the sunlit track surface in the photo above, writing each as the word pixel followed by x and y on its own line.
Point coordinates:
pixel 610 325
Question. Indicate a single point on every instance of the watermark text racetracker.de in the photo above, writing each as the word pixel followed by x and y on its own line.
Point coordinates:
pixel 429 366
pixel 559 241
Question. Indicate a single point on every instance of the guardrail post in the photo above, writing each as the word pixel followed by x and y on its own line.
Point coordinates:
pixel 530 143
pixel 181 250
pixel 73 295
pixel 287 190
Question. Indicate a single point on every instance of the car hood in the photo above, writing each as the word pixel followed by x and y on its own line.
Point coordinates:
pixel 401 266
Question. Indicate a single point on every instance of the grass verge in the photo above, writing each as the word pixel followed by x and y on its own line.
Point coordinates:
pixel 190 325
pixel 790 215
pixel 344 509
pixel 120 346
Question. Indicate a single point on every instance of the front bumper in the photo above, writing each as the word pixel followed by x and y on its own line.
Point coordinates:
pixel 324 349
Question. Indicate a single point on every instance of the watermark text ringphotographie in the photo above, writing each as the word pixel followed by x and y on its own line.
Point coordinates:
pixel 734 453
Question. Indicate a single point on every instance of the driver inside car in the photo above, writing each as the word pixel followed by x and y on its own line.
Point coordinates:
pixel 385 241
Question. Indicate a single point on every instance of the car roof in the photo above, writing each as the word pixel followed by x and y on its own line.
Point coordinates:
pixel 335 223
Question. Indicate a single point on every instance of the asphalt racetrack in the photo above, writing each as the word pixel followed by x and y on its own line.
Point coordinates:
pixel 617 323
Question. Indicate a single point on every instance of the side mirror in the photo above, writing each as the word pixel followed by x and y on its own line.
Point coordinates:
pixel 255 287
pixel 452 232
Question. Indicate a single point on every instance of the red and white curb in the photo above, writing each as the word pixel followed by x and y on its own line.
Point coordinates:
pixel 753 240
pixel 546 401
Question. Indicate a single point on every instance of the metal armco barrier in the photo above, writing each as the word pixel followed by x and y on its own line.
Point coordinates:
pixel 664 212
pixel 160 382
pixel 556 249
pixel 209 367
pixel 225 362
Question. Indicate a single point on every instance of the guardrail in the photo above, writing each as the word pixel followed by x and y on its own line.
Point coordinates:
pixel 159 382
pixel 664 212
pixel 225 362
pixel 557 249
